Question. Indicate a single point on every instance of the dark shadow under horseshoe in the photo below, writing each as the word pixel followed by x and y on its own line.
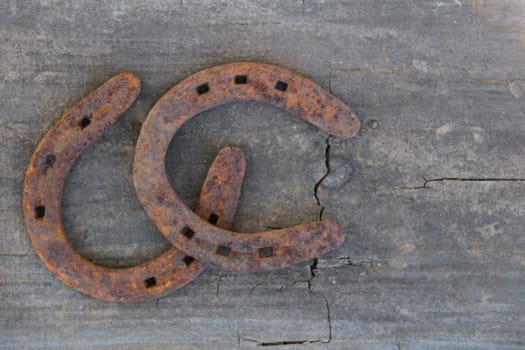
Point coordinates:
pixel 241 81
pixel 52 160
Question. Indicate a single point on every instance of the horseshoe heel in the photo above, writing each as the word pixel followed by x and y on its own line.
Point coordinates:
pixel 241 81
pixel 51 162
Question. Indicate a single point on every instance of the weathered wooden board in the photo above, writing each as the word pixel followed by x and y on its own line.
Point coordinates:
pixel 431 192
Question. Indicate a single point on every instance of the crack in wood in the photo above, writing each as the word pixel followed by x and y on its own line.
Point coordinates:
pixel 326 174
pixel 313 268
pixel 426 182
pixel 219 282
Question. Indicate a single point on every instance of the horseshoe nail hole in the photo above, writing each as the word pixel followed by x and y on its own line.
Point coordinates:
pixel 241 79
pixel 265 252
pixel 40 212
pixel 187 232
pixel 188 260
pixel 51 159
pixel 202 89
pixel 84 122
pixel 150 282
pixel 213 219
pixel 223 250
pixel 281 85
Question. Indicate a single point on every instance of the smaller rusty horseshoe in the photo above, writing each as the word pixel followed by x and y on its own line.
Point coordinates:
pixel 240 81
pixel 52 160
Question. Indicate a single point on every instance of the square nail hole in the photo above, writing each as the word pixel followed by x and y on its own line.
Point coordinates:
pixel 84 123
pixel 223 250
pixel 202 89
pixel 150 282
pixel 241 79
pixel 40 212
pixel 187 232
pixel 213 219
pixel 50 160
pixel 281 85
pixel 188 260
pixel 266 252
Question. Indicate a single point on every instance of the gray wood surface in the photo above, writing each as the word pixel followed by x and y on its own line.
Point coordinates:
pixel 431 191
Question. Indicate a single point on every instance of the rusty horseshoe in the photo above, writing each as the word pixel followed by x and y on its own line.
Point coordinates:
pixel 240 81
pixel 52 160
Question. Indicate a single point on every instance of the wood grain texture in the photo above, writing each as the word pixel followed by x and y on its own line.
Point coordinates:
pixel 431 191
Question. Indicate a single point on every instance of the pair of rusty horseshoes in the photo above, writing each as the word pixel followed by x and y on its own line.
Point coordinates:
pixel 198 238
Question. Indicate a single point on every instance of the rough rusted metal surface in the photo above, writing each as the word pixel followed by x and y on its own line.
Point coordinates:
pixel 216 86
pixel 222 188
pixel 52 160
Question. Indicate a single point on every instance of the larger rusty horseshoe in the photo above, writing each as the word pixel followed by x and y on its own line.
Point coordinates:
pixel 52 160
pixel 240 81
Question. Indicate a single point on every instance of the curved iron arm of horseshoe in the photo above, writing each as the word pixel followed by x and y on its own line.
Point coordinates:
pixel 52 160
pixel 241 81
